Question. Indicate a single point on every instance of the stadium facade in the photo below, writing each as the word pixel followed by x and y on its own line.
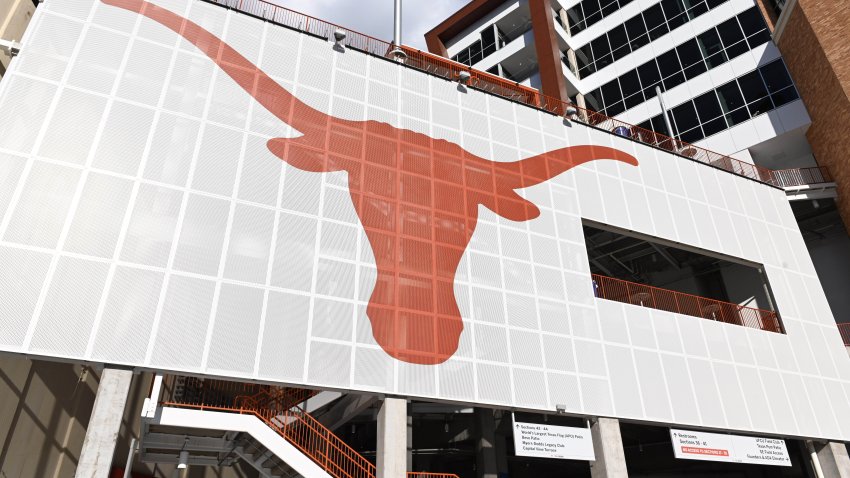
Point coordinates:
pixel 241 241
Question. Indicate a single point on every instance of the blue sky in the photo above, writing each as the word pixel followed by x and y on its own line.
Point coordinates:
pixel 375 17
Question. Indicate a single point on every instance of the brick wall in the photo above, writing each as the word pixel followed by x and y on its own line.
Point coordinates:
pixel 816 47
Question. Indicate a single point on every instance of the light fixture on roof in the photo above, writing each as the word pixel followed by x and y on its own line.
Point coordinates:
pixel 183 461
pixel 560 408
pixel 463 77
pixel 570 111
pixel 339 38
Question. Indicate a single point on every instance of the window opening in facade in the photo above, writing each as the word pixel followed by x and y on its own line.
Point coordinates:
pixel 650 272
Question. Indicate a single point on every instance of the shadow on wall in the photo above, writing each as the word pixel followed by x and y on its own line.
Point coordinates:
pixel 44 411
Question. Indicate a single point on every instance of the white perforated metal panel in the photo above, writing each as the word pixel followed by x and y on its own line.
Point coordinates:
pixel 144 221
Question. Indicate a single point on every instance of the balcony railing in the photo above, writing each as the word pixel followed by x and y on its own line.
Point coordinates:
pixel 844 329
pixel 687 304
pixel 439 66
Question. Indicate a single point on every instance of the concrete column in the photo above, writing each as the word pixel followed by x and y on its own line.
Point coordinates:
pixel 104 424
pixel 485 444
pixel 833 458
pixel 571 54
pixel 392 439
pixel 608 447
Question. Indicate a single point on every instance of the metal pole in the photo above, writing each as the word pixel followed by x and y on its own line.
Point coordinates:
pixel 666 114
pixel 397 24
pixel 129 465
pixel 397 52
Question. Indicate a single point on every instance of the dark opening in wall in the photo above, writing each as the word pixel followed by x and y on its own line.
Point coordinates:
pixel 651 272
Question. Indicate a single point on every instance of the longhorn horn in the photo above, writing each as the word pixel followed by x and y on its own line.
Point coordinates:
pixel 543 167
pixel 276 99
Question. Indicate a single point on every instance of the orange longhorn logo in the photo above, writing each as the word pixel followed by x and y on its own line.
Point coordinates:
pixel 417 197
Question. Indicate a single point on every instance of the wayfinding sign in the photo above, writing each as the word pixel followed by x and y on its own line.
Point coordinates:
pixel 550 441
pixel 691 445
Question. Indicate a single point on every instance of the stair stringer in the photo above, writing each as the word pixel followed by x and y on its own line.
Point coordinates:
pixel 245 423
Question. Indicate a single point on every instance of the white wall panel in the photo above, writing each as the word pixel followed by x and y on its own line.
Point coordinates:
pixel 138 192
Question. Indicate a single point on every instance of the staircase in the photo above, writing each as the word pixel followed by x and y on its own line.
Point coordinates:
pixel 263 426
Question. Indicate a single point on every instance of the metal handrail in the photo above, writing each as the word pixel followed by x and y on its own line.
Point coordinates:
pixel 278 408
pixel 496 85
pixel 681 303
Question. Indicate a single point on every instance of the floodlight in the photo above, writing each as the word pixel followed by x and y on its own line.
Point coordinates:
pixel 339 38
pixel 183 462
pixel 463 77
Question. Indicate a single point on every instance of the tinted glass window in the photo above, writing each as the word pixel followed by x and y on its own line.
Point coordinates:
pixel 593 100
pixel 784 96
pixel 751 21
pixel 732 37
pixel 752 87
pixel 730 97
pixel 659 125
pixel 714 126
pixel 636 31
pixel 592 12
pixel 600 48
pixel 611 93
pixel 695 8
pixel 615 109
pixel 655 23
pixel 630 84
pixel 649 76
pixel 619 42
pixel 711 48
pixel 609 7
pixel 707 106
pixel 488 36
pixel 671 69
pixel 691 58
pixel 691 136
pixel 685 116
pixel 675 12
pixel 775 76
pixel 583 58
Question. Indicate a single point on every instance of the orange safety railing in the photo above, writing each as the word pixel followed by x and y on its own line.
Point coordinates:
pixel 496 85
pixel 681 303
pixel 279 398
pixel 801 176
pixel 278 408
pixel 844 330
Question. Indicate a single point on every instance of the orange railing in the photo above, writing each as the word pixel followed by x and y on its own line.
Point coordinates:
pixel 844 329
pixel 801 176
pixel 278 408
pixel 443 67
pixel 681 303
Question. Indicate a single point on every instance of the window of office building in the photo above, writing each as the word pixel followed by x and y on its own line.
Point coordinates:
pixel 753 94
pixel 490 39
pixel 639 30
pixel 685 62
pixel 589 12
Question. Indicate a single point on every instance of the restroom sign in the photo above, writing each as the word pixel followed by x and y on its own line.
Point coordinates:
pixel 550 441
pixel 691 445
